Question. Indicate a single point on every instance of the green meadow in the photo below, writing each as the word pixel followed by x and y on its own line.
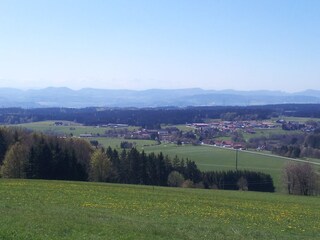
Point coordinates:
pixel 36 209
pixel 298 119
pixel 67 129
pixel 210 158
pixel 268 132
pixel 115 142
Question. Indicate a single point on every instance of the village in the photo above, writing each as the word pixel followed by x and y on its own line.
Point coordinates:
pixel 217 133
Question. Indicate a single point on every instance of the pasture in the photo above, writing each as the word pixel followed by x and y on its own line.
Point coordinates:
pixel 297 119
pixel 36 209
pixel 268 133
pixel 115 142
pixel 69 128
pixel 210 158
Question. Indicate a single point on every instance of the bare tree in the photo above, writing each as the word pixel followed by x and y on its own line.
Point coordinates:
pixel 175 179
pixel 242 184
pixel 301 179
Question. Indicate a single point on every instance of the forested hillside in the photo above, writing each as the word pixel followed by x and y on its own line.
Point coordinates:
pixel 153 117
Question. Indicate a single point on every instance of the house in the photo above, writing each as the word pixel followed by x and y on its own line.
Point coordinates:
pixel 224 143
pixel 239 146
pixel 227 144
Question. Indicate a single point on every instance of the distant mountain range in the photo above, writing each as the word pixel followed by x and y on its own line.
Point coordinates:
pixel 89 97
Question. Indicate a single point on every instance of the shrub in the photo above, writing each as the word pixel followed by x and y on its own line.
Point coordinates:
pixel 175 179
pixel 188 184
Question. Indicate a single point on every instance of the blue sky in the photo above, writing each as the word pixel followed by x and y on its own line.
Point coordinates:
pixel 216 44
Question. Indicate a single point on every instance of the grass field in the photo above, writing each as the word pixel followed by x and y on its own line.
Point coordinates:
pixel 181 127
pixel 34 209
pixel 269 132
pixel 71 128
pixel 115 142
pixel 212 158
pixel 298 119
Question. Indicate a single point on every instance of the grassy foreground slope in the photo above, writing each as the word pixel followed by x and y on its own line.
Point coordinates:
pixel 34 209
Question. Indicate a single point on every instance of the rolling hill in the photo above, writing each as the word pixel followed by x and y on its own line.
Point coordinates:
pixel 36 209
pixel 88 97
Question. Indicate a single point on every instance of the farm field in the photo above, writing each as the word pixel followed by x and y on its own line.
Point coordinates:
pixel 210 158
pixel 297 119
pixel 36 209
pixel 181 127
pixel 68 129
pixel 268 133
pixel 115 142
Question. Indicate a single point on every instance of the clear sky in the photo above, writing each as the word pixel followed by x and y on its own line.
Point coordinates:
pixel 143 44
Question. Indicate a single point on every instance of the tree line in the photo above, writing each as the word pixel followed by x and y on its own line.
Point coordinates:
pixel 154 117
pixel 134 167
pixel 243 180
pixel 290 145
pixel 25 154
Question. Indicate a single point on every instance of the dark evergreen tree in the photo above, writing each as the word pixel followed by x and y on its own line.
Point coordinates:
pixel 192 172
pixel 228 180
pixel 124 168
pixel 145 179
pixel 3 146
pixel 152 169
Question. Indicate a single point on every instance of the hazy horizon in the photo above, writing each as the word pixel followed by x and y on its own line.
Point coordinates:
pixel 139 44
pixel 147 89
